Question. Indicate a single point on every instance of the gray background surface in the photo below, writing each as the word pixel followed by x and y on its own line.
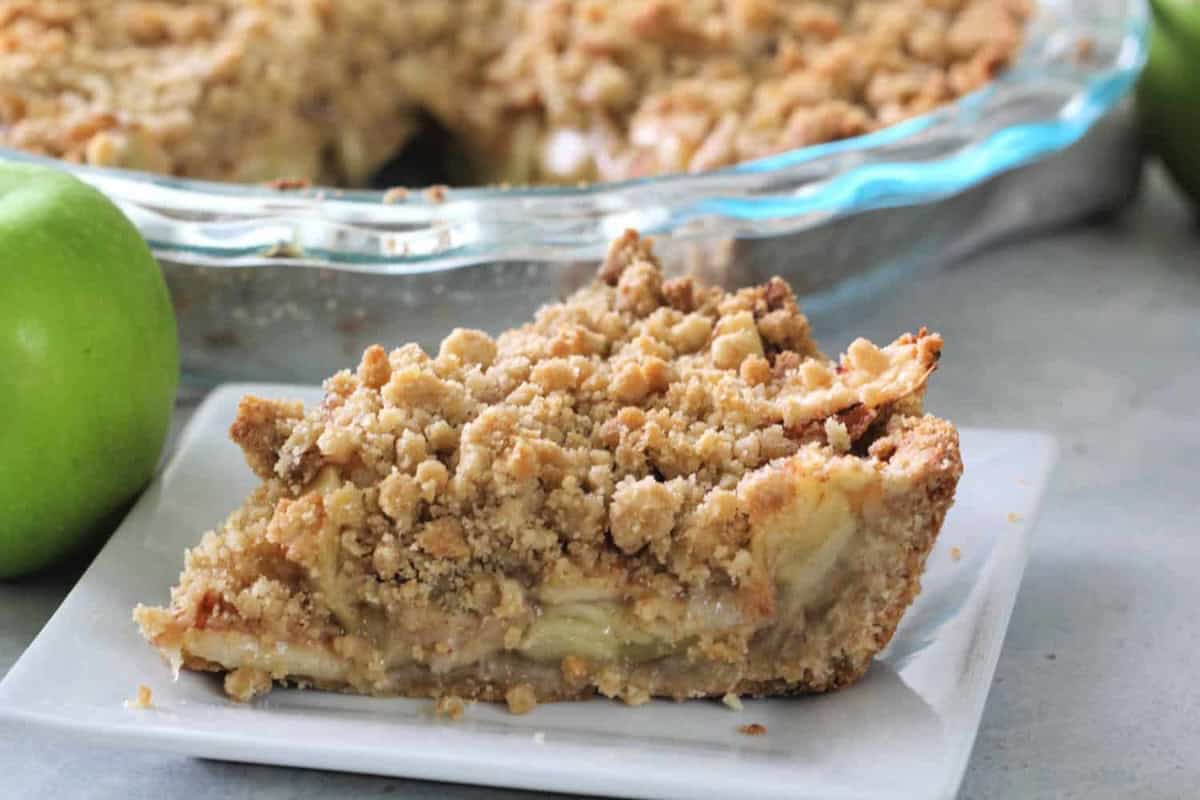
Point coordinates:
pixel 1092 334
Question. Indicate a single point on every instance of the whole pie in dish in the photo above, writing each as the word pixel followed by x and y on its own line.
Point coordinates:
pixel 531 90
pixel 654 489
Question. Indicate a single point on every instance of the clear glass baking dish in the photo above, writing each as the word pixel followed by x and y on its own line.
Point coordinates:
pixel 292 285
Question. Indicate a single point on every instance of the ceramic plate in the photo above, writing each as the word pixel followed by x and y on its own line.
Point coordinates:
pixel 904 731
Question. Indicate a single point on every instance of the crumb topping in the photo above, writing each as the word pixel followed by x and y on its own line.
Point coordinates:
pixel 614 435
pixel 536 90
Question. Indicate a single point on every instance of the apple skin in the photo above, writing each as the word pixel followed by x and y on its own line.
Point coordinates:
pixel 89 364
pixel 1168 93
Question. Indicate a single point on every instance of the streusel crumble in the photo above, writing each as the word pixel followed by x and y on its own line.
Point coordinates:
pixel 655 488
pixel 535 90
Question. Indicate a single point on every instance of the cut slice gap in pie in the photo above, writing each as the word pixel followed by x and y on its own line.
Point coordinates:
pixel 654 489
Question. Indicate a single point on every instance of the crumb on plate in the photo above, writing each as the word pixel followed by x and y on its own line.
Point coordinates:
pixel 753 729
pixel 450 706
pixel 521 699
pixel 143 700
pixel 245 683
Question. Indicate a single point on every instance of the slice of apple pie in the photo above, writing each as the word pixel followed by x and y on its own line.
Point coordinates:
pixel 654 489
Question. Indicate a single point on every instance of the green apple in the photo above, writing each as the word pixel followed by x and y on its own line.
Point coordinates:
pixel 89 363
pixel 1169 91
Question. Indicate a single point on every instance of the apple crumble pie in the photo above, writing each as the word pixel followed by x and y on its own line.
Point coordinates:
pixel 656 488
pixel 533 90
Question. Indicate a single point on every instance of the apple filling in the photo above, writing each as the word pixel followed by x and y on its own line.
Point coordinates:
pixel 802 550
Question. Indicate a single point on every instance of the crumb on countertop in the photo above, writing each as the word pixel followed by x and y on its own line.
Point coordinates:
pixel 956 553
pixel 289 184
pixel 1014 516
pixel 1084 49
pixel 753 729
pixel 144 699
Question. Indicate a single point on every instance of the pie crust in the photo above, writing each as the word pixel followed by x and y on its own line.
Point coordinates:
pixel 655 488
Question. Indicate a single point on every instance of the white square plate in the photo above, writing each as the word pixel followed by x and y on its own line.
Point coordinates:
pixel 905 731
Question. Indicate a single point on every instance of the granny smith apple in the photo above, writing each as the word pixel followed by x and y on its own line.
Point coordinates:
pixel 1169 91
pixel 89 363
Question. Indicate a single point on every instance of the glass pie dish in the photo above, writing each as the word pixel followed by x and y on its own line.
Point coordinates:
pixel 279 284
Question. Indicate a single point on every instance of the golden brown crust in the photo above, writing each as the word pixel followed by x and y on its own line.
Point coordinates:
pixel 694 502
pixel 537 90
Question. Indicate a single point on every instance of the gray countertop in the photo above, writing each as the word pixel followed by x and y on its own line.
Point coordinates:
pixel 1092 334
